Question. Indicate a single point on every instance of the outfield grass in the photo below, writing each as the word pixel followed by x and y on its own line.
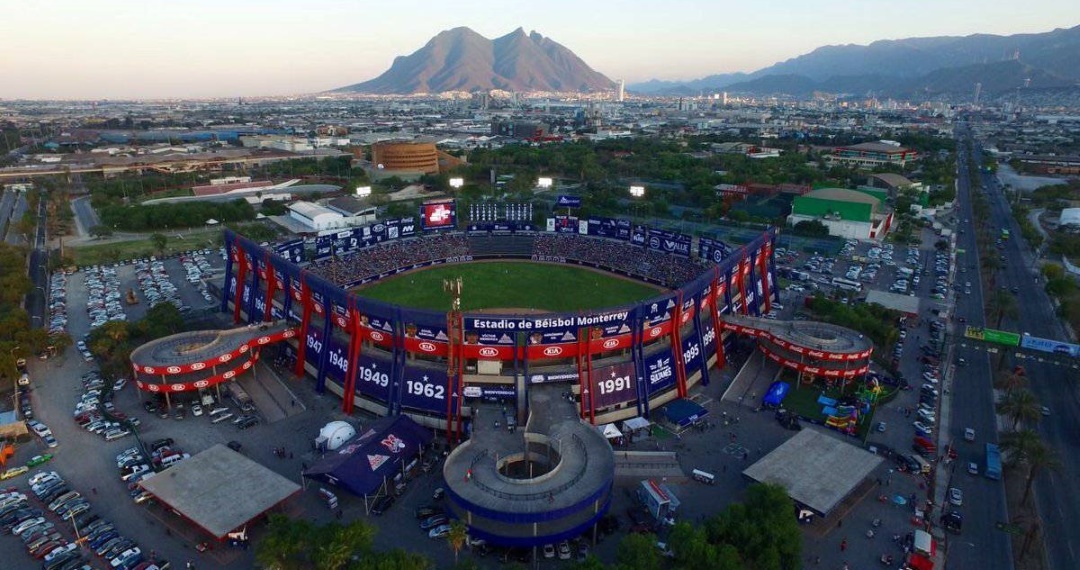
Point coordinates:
pixel 519 285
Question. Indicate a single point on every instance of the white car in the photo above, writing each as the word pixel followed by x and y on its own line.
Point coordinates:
pixel 969 434
pixel 973 468
pixel 956 497
pixel 196 410
pixel 923 428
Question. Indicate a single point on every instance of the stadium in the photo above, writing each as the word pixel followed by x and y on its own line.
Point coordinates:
pixel 559 373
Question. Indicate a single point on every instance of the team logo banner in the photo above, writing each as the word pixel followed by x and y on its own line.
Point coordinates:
pixel 713 250
pixel 373 377
pixel 291 250
pixel 425 389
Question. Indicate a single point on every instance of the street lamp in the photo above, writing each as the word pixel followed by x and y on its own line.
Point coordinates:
pixel 15 385
pixel 363 191
pixel 544 182
pixel 457 182
pixel 637 191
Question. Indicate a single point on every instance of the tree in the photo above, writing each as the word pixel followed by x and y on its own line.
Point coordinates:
pixel 283 544
pixel 811 228
pixel 457 536
pixel 159 241
pixel 1002 304
pixel 1011 381
pixel 335 544
pixel 1019 405
pixel 100 231
pixel 1027 447
pixel 638 552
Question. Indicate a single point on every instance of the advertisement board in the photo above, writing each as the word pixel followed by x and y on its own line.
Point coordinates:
pixel 712 250
pixel 424 388
pixel 567 225
pixel 668 242
pixel 438 215
pixel 1047 345
pixel 564 201
pixel 292 250
pixel 994 336
pixel 615 384
pixel 610 228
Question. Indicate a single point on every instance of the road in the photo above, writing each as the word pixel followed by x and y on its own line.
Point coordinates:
pixel 981 545
pixel 36 301
pixel 1054 385
pixel 19 209
pixel 7 203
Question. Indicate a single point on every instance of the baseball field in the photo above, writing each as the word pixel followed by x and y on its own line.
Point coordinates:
pixel 510 285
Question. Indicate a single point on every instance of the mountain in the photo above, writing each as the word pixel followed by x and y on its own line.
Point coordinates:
pixel 463 60
pixel 710 83
pixel 996 78
pixel 898 66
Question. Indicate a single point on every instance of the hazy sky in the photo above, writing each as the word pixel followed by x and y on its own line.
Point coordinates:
pixel 201 48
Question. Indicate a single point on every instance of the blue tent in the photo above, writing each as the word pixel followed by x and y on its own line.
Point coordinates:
pixel 776 393
pixel 684 412
pixel 361 465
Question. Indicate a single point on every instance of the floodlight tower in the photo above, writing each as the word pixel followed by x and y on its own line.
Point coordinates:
pixel 363 191
pixel 637 192
pixel 457 182
pixel 454 360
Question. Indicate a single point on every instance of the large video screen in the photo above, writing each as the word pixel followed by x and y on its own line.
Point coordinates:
pixel 438 215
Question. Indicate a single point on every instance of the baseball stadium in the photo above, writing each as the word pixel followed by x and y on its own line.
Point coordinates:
pixel 568 328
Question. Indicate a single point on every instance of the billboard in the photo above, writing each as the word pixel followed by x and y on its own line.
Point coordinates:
pixel 994 336
pixel 568 202
pixel 292 250
pixel 660 370
pixel 438 215
pixel 713 250
pixel 613 385
pixel 373 377
pixel 668 242
pixel 1047 345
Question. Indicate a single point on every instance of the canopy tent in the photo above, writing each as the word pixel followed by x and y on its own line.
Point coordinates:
pixel 634 424
pixel 776 393
pixel 610 431
pixel 366 462
pixel 683 412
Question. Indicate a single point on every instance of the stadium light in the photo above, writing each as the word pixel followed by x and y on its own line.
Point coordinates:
pixel 457 183
pixel 544 182
pixel 363 191
pixel 637 191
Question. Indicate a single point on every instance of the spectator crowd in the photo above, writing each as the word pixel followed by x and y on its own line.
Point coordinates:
pixel 390 255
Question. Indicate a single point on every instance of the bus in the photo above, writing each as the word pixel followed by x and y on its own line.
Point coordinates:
pixel 846 284
pixel 993 462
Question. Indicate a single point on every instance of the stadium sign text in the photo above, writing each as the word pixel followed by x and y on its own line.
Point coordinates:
pixel 544 323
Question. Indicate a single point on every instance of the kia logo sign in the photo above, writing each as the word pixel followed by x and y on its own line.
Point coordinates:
pixel 229 374
pixel 201 384
pixel 173 370
pixel 153 387
pixel 655 331
pixel 243 348
pixel 553 351
pixel 263 340
pixel 149 370
pixel 225 358
pixel 198 366
pixel 611 343
pixel 488 351
pixel 426 347
pixel 247 365
pixel 288 334
pixel 377 336
pixel 177 387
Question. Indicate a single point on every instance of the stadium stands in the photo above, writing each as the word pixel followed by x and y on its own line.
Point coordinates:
pixel 495 245
pixel 656 265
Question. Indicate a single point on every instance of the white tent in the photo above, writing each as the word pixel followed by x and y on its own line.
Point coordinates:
pixel 634 424
pixel 610 431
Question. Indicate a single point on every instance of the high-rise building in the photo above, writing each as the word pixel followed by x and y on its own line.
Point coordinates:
pixel 622 90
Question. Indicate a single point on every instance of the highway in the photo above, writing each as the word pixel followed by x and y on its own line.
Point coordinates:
pixel 1057 492
pixel 13 236
pixel 980 545
pixel 36 302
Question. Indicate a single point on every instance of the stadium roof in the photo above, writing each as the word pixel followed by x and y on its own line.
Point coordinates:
pixel 893 180
pixel 363 464
pixel 219 489
pixel 843 195
pixel 311 210
pixel 818 470
pixel 875 147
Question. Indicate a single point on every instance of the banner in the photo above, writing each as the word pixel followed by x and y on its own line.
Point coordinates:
pixel 693 358
pixel 660 371
pixel 669 242
pixel 609 227
pixel 613 385
pixel 373 377
pixel 554 377
pixel 566 225
pixel 424 389
pixel 1046 345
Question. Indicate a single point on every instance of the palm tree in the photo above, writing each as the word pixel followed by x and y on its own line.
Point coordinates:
pixel 1017 444
pixel 1027 447
pixel 457 536
pixel 1001 305
pixel 283 544
pixel 1011 381
pixel 1019 405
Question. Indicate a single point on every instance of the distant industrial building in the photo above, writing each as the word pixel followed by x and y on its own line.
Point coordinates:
pixel 354 210
pixel 316 217
pixel 871 155
pixel 851 214
pixel 893 183
pixel 1051 164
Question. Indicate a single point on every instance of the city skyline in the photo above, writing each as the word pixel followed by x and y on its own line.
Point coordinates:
pixel 116 50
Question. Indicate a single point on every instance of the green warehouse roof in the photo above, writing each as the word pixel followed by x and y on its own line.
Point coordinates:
pixel 849 204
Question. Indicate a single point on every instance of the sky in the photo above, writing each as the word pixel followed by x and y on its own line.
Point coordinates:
pixel 96 49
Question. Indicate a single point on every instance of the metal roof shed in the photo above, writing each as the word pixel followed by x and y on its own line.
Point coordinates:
pixel 219 490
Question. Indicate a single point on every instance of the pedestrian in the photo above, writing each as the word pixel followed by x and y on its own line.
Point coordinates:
pixel 843 545
pixel 294 403
pixel 817 561
pixel 839 523
pixel 93 490
pixel 723 468
pixel 290 455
